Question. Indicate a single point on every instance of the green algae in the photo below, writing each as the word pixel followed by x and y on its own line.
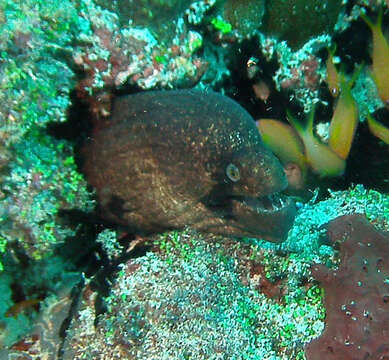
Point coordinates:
pixel 42 180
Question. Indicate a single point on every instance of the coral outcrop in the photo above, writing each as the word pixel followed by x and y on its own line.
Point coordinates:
pixel 356 294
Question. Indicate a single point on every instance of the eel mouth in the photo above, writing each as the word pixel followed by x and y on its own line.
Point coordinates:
pixel 269 217
pixel 272 204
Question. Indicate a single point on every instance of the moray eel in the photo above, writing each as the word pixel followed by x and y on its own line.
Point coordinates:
pixel 170 159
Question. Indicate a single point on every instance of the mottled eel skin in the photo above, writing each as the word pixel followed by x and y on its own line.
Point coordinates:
pixel 168 159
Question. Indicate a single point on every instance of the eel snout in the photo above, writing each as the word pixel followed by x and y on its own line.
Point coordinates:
pixel 269 217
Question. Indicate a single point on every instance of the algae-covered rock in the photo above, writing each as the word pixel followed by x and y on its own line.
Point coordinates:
pixel 157 15
pixel 196 299
pixel 296 21
pixel 244 15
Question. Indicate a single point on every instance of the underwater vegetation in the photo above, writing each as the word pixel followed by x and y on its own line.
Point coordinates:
pixel 39 177
pixel 171 308
pixel 193 290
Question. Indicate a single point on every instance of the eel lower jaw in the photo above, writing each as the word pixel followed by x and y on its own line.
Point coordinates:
pixel 270 204
pixel 269 217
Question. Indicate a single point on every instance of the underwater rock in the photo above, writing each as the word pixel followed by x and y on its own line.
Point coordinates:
pixel 167 159
pixel 45 340
pixel 298 21
pixel 160 17
pixel 244 15
pixel 356 294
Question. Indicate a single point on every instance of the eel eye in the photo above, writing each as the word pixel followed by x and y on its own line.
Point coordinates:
pixel 232 172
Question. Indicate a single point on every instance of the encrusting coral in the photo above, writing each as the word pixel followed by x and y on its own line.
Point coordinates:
pixel 356 293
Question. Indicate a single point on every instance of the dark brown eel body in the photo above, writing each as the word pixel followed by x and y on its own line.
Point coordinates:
pixel 169 159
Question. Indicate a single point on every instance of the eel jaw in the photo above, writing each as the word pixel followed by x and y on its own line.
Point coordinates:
pixel 273 203
pixel 268 217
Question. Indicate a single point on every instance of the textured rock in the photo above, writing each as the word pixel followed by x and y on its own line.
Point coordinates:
pixel 356 294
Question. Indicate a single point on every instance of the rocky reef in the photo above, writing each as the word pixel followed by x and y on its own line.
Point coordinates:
pixel 74 286
pixel 356 293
